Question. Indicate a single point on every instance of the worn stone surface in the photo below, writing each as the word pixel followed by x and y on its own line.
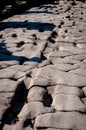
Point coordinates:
pixel 62 102
pixel 29 111
pixel 62 89
pixel 63 120
pixel 43 68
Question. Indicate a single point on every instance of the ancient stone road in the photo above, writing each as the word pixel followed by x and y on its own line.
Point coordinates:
pixel 43 68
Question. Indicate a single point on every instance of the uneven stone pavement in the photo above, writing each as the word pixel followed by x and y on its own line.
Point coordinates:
pixel 43 68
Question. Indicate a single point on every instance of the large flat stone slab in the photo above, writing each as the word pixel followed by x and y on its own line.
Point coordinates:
pixel 63 89
pixel 62 77
pixel 63 120
pixel 67 102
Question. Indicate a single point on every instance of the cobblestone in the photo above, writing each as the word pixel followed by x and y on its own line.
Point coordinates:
pixel 43 68
pixel 63 120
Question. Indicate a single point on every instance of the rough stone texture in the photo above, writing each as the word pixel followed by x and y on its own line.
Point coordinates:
pixel 29 111
pixel 62 77
pixel 62 89
pixel 36 94
pixel 43 67
pixel 62 102
pixel 63 120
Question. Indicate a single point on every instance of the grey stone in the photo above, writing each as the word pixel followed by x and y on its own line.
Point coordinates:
pixel 29 111
pixel 60 77
pixel 6 98
pixel 44 63
pixel 66 67
pixel 60 54
pixel 7 85
pixel 9 73
pixel 4 64
pixel 41 81
pixel 79 71
pixel 64 61
pixel 79 57
pixel 22 68
pixel 62 89
pixel 62 102
pixel 81 65
pixel 82 46
pixel 73 50
pixel 63 120
pixel 36 94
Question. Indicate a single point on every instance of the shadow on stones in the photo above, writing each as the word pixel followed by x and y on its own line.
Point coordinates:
pixel 28 122
pixel 28 25
pixel 47 100
pixel 6 55
pixel 12 7
pixel 17 102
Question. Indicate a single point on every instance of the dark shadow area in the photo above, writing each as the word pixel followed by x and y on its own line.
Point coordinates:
pixel 12 7
pixel 17 102
pixel 28 122
pixel 47 100
pixel 6 55
pixel 28 25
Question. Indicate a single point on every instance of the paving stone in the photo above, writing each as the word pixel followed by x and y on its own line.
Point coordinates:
pixel 68 102
pixel 36 94
pixel 73 50
pixel 62 89
pixel 79 57
pixel 29 111
pixel 62 77
pixel 6 98
pixel 7 85
pixel 52 68
pixel 41 81
pixel 82 46
pixel 80 71
pixel 64 61
pixel 9 73
pixel 22 68
pixel 81 65
pixel 32 51
pixel 60 54
pixel 63 120
pixel 66 67
pixel 44 63
pixel 4 64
